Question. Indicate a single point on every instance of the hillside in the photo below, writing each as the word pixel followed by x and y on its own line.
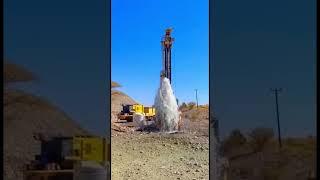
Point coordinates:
pixel 117 99
pixel 24 116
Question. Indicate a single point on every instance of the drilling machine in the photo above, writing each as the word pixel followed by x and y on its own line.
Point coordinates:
pixel 166 43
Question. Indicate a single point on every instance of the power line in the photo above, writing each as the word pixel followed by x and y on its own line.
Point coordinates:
pixel 276 92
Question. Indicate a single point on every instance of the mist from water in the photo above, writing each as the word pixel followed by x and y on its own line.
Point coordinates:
pixel 167 114
pixel 139 120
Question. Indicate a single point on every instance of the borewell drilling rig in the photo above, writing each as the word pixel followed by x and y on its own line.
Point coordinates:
pixel 166 43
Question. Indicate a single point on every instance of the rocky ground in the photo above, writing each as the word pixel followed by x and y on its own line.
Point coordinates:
pixel 139 155
pixel 155 155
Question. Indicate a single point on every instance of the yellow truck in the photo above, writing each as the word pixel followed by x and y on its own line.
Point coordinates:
pixel 149 113
pixel 130 109
pixel 90 148
pixel 60 155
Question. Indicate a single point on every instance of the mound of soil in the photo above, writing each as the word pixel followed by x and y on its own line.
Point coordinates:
pixel 24 116
pixel 117 99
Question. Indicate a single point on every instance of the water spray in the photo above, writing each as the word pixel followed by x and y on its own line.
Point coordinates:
pixel 167 113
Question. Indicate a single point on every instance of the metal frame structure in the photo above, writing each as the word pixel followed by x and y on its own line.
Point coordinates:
pixel 166 43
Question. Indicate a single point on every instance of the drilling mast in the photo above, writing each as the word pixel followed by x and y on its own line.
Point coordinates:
pixel 166 43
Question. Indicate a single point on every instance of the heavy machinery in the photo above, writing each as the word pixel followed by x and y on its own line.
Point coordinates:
pixel 129 109
pixel 60 155
pixel 149 113
pixel 166 44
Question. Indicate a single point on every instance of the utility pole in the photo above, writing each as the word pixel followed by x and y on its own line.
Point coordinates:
pixel 197 97
pixel 276 92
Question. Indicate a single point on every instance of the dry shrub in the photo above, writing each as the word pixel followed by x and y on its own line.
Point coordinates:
pixel 194 116
pixel 234 140
pixel 191 105
pixel 183 106
pixel 259 137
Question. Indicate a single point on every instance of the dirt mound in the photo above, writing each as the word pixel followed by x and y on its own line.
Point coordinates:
pixel 117 99
pixel 13 73
pixel 24 116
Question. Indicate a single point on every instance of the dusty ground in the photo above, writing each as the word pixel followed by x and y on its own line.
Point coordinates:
pixel 154 155
pixel 159 156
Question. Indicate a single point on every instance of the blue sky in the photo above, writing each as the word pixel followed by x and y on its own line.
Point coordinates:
pixel 137 28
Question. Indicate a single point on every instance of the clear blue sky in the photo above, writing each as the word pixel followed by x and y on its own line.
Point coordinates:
pixel 137 28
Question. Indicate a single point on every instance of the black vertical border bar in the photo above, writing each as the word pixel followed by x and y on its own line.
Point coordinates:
pixel 108 78
pixel 212 160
